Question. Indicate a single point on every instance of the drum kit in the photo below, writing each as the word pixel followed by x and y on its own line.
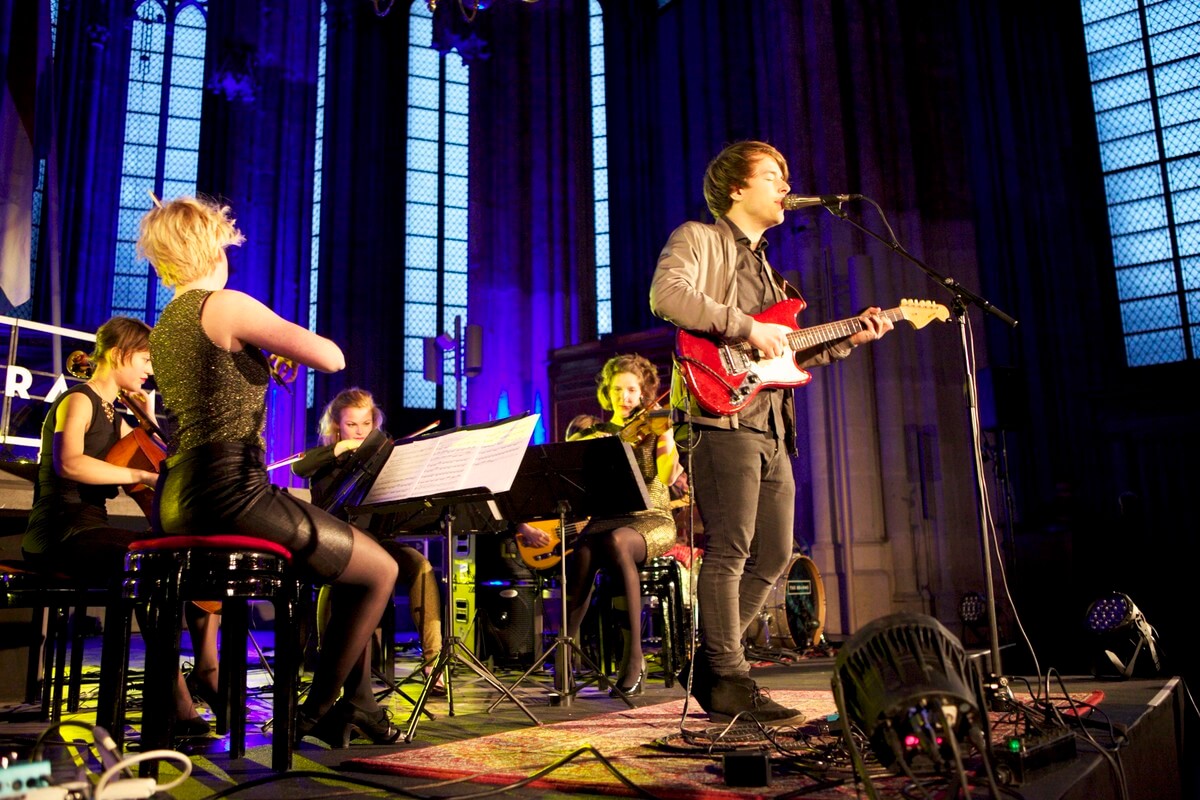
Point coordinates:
pixel 793 617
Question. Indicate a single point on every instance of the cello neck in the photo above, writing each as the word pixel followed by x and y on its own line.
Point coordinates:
pixel 138 410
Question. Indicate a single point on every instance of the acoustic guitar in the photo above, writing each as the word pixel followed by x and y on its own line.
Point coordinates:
pixel 724 377
pixel 548 555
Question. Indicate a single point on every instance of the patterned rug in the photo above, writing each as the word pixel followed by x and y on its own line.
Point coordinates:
pixel 642 743
pixel 646 746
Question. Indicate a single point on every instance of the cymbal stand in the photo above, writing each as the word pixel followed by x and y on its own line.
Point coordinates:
pixel 454 649
pixel 564 646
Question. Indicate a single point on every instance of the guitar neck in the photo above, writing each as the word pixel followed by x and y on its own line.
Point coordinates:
pixel 805 338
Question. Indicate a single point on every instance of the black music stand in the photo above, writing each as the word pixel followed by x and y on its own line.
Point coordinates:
pixel 419 482
pixel 584 478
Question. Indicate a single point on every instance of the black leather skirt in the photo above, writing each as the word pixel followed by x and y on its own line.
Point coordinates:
pixel 222 488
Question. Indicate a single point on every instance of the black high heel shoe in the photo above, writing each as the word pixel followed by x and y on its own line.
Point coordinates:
pixel 638 687
pixel 338 727
pixel 189 728
pixel 210 697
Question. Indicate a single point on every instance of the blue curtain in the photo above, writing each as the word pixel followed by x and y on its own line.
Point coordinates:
pixel 257 156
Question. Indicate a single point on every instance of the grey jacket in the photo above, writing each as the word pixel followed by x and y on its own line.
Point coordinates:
pixel 695 288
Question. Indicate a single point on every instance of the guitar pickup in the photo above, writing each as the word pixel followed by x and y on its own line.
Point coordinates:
pixel 734 360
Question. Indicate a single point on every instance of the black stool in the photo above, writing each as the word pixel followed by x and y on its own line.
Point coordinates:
pixel 50 597
pixel 162 574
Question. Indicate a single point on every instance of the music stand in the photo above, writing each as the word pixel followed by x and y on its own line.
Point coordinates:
pixel 585 478
pixel 424 477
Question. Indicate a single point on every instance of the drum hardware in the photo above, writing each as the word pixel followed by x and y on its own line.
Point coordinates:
pixel 793 618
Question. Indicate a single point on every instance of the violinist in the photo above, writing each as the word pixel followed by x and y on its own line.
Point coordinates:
pixel 69 530
pixel 345 423
pixel 208 344
pixel 626 386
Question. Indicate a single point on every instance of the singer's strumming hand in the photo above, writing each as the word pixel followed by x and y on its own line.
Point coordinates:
pixel 769 337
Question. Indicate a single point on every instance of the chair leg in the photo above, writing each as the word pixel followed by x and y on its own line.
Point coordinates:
pixel 232 674
pixel 114 666
pixel 56 664
pixel 77 643
pixel 163 633
pixel 666 603
pixel 33 667
pixel 387 645
pixel 287 668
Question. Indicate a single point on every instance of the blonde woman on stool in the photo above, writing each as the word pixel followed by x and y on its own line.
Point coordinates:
pixel 210 367
pixel 345 423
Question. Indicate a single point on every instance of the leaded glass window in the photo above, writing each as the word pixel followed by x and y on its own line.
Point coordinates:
pixel 435 225
pixel 162 136
pixel 1144 59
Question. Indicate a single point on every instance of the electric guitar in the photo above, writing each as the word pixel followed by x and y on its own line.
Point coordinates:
pixel 724 377
pixel 549 554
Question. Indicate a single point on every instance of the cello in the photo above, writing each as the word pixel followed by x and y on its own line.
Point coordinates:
pixel 141 448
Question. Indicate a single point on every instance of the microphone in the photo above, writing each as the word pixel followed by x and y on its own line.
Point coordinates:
pixel 796 201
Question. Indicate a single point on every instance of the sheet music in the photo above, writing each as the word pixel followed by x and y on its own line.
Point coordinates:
pixel 467 458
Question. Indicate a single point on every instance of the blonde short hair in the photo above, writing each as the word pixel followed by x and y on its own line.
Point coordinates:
pixel 328 428
pixel 184 238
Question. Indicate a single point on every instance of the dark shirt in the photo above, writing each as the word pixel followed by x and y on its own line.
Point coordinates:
pixel 63 507
pixel 319 465
pixel 758 291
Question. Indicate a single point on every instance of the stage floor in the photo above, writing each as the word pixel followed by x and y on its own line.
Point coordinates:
pixel 1148 712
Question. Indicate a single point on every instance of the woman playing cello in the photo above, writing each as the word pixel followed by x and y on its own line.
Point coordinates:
pixel 68 529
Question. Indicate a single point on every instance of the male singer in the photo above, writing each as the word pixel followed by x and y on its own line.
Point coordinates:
pixel 711 279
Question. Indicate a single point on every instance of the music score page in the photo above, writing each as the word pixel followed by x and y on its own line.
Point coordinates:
pixel 467 458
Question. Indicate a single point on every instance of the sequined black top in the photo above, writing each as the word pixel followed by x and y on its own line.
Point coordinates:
pixel 215 395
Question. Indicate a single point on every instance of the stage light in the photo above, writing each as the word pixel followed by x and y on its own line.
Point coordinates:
pixel 1120 623
pixel 972 608
pixel 973 613
pixel 905 682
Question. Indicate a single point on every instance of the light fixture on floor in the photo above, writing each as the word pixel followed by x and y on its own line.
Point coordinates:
pixel 1120 623
pixel 905 682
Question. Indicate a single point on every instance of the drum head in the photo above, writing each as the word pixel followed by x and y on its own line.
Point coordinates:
pixel 805 602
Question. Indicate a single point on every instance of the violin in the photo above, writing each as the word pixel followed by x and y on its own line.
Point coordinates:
pixel 652 421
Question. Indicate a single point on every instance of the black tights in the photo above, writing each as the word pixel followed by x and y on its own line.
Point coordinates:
pixel 621 551
pixel 359 596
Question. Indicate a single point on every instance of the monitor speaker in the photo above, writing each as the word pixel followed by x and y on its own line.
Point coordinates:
pixel 511 620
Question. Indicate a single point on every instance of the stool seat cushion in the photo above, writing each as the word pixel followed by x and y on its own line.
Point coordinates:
pixel 215 542
pixel 14 568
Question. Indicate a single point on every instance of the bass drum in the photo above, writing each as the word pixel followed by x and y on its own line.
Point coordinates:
pixel 794 614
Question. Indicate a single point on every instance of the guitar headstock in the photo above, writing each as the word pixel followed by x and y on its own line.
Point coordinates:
pixel 920 313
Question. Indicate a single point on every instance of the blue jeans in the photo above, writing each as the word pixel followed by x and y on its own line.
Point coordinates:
pixel 743 484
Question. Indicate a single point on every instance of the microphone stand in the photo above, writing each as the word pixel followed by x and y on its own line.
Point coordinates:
pixel 999 695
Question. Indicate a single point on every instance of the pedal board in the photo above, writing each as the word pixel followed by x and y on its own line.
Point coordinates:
pixel 18 779
pixel 1017 756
